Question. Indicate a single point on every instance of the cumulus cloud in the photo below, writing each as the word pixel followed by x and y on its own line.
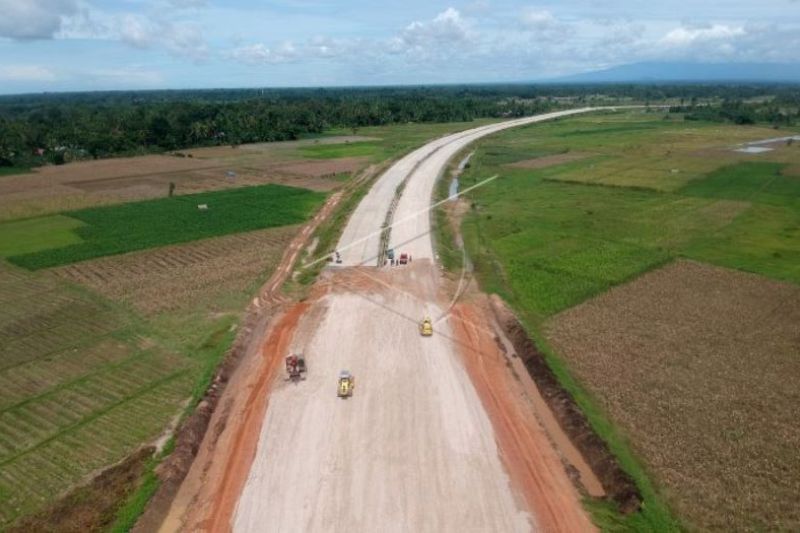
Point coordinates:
pixel 447 28
pixel 13 73
pixel 34 19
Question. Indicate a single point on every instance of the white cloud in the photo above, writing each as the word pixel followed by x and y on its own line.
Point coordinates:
pixel 181 39
pixel 260 54
pixel 12 73
pixel 684 36
pixel 448 27
pixel 34 19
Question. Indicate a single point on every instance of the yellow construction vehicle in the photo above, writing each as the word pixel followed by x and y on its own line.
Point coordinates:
pixel 346 384
pixel 426 327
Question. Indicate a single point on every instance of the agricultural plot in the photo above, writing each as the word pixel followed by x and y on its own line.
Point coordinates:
pixel 35 234
pixel 134 226
pixel 638 150
pixel 79 388
pixel 550 245
pixel 173 279
pixel 698 366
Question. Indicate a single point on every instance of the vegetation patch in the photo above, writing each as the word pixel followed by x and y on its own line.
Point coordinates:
pixel 761 182
pixel 35 234
pixel 139 225
pixel 698 366
pixel 335 151
pixel 13 171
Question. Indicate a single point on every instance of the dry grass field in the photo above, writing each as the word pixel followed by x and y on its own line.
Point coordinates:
pixel 699 366
pixel 174 278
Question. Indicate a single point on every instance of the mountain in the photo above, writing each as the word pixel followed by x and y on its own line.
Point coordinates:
pixel 656 72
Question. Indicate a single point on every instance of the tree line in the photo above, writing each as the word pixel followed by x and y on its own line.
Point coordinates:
pixel 55 128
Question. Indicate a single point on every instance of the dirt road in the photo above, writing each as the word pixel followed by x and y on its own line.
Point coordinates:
pixel 414 449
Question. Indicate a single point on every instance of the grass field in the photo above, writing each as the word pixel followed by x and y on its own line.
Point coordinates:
pixel 118 229
pixel 550 242
pixel 645 191
pixel 332 151
pixel 35 234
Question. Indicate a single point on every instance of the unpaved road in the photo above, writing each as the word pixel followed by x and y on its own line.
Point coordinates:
pixel 414 449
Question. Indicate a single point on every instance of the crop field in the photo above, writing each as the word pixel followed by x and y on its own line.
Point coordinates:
pixel 79 388
pixel 699 366
pixel 135 226
pixel 548 237
pixel 180 277
pixel 34 234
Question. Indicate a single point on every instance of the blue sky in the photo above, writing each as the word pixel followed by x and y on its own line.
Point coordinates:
pixel 57 45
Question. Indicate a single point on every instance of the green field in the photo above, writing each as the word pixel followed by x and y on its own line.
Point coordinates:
pixel 332 151
pixel 644 191
pixel 135 226
pixel 36 234
pixel 548 241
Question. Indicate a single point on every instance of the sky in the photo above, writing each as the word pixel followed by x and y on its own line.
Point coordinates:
pixel 76 45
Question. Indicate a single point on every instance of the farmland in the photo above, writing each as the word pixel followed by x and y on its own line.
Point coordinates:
pixel 80 387
pixel 201 274
pixel 117 229
pixel 683 368
pixel 550 241
pixel 699 365
pixel 137 295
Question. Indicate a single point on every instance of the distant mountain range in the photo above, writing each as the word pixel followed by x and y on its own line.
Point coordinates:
pixel 689 72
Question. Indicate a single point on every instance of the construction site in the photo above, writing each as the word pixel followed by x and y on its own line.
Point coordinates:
pixel 381 402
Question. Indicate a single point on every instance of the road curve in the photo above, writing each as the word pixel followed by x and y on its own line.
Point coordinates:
pixel 360 240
